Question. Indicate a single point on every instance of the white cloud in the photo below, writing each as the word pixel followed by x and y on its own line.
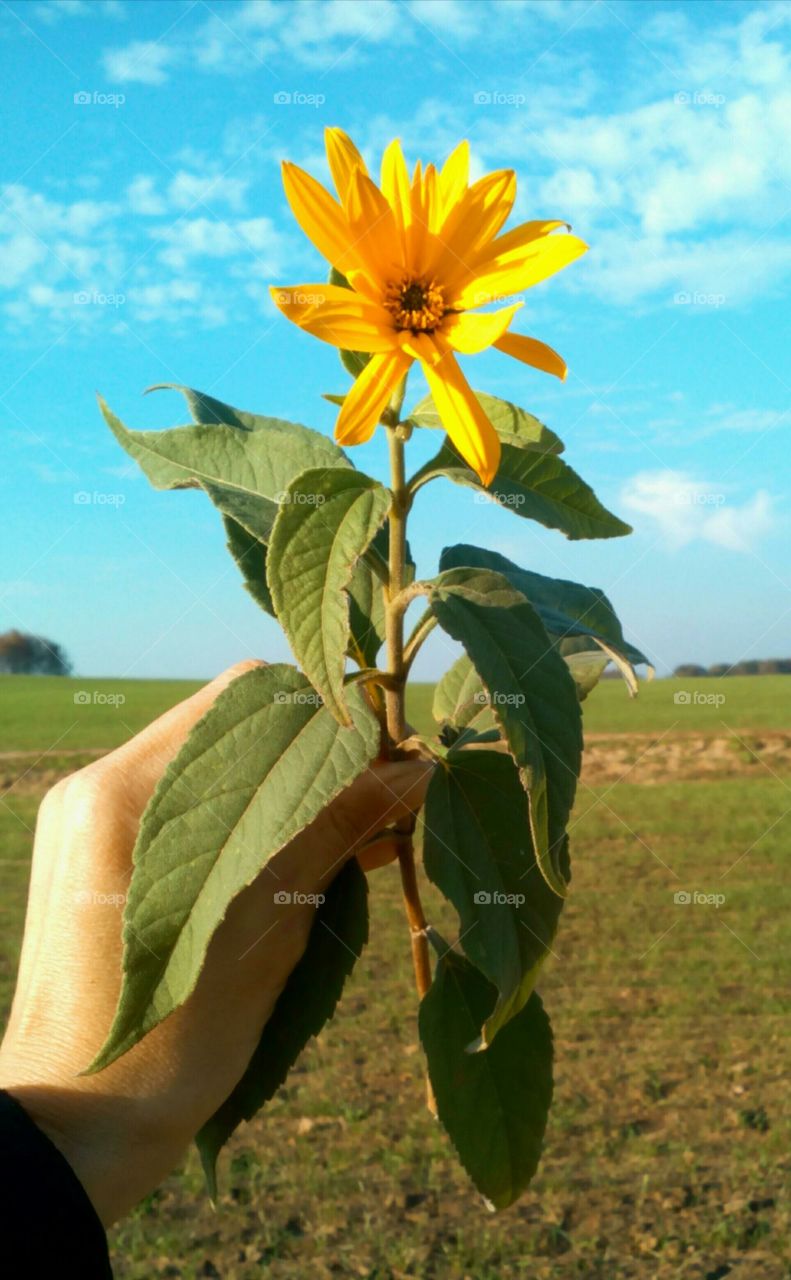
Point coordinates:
pixel 145 61
pixel 50 12
pixel 22 207
pixel 205 237
pixel 686 509
pixel 19 254
pixel 54 10
pixel 188 189
pixel 325 33
pixel 143 198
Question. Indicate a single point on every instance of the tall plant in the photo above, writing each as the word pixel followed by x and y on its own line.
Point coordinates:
pixel 323 547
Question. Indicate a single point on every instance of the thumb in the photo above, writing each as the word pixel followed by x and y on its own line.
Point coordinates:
pixel 385 793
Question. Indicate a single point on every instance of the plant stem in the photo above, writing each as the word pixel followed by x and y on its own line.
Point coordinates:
pixel 394 700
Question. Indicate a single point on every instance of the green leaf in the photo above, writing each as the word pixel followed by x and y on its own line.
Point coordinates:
pixel 258 768
pixel 353 361
pixel 308 1000
pixel 566 609
pixel 327 520
pixel 366 615
pixel 477 850
pixel 535 484
pixel 459 697
pixel 509 421
pixel 587 666
pixel 531 693
pixel 243 467
pixel 204 408
pixel 494 1104
pixel 250 555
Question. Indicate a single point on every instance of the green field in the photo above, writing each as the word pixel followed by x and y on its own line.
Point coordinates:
pixel 46 713
pixel 667 1154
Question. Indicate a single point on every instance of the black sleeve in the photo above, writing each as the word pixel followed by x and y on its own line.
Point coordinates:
pixel 49 1226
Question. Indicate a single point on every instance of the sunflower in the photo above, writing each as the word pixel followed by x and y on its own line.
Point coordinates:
pixel 419 256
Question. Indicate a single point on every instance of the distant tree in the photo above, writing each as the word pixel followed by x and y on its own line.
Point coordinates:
pixel 21 654
pixel 720 669
pixel 690 669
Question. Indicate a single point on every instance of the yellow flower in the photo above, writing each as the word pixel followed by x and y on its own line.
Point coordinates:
pixel 419 256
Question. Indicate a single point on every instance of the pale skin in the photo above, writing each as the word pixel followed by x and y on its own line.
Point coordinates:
pixel 125 1128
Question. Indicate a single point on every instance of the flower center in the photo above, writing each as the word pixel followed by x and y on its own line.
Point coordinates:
pixel 418 305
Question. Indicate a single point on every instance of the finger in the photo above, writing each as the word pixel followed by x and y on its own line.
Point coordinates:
pixel 379 853
pixel 381 796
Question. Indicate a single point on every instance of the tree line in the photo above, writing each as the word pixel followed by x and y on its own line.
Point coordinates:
pixel 748 667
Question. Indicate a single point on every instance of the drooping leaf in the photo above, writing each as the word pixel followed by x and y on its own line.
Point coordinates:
pixel 258 768
pixel 308 1000
pixel 567 609
pixel 244 468
pixel 477 849
pixel 494 1104
pixel 587 665
pixel 327 520
pixel 534 483
pixel 531 693
pixel 250 555
pixel 459 696
pixel 509 421
pixel 353 361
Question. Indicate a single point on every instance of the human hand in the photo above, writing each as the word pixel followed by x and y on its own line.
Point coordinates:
pixel 126 1127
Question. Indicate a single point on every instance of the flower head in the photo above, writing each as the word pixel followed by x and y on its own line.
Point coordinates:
pixel 420 254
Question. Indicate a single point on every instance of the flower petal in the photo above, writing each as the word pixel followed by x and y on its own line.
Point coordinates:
pixel 506 251
pixel 462 417
pixel 338 316
pixel 455 175
pixel 531 351
pixel 473 221
pixel 395 182
pixel 342 157
pixel 365 403
pixel 470 334
pixel 374 228
pixel 324 222
pixel 425 215
pixel 541 258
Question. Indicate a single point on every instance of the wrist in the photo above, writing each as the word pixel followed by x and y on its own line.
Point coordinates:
pixel 116 1160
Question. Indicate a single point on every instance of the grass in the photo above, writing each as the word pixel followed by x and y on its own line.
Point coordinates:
pixel 667 1154
pixel 48 713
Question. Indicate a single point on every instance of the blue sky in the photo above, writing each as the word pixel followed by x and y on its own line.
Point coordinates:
pixel 142 217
